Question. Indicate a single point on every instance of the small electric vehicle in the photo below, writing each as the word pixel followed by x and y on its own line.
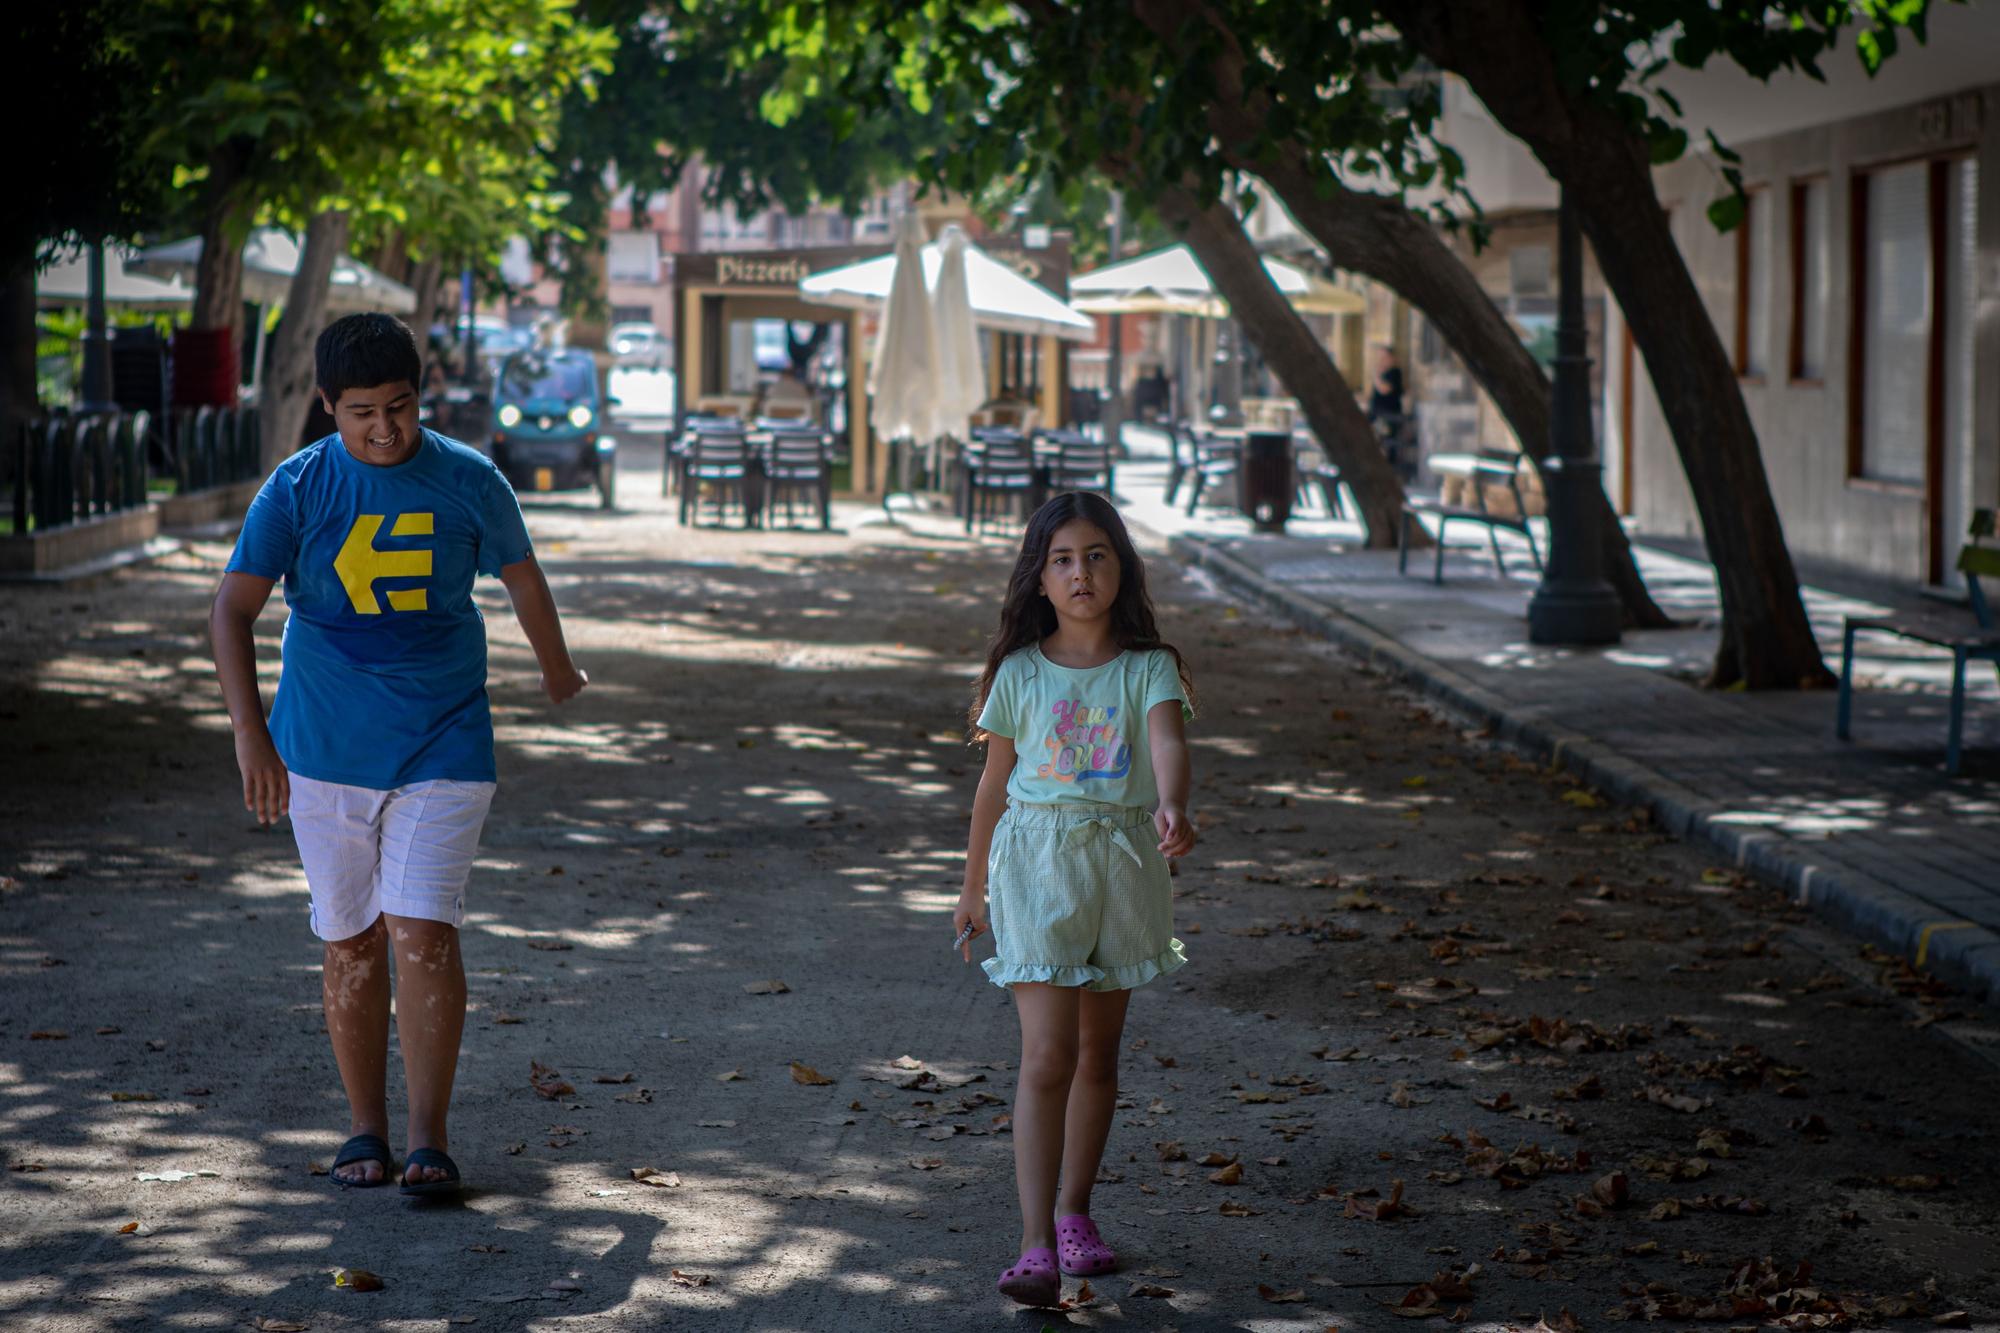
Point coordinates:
pixel 548 424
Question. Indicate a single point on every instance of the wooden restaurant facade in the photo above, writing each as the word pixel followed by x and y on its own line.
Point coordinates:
pixel 727 302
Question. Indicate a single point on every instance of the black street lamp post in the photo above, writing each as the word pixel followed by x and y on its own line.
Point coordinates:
pixel 1575 603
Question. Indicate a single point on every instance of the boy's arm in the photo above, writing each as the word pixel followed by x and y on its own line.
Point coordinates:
pixel 535 608
pixel 232 636
pixel 987 806
pixel 1166 737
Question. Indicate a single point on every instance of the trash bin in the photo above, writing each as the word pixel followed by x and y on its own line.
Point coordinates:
pixel 1265 480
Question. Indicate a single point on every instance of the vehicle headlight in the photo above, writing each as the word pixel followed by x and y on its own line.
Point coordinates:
pixel 579 416
pixel 510 415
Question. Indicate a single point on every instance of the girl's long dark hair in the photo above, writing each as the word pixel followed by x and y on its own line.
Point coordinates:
pixel 1026 617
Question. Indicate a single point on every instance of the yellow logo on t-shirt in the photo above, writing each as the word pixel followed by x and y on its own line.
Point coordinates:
pixel 359 564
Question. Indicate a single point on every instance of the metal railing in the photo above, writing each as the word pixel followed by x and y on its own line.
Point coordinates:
pixel 72 467
pixel 66 469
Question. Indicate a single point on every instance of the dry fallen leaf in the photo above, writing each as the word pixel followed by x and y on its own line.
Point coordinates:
pixel 729 1076
pixel 280 1326
pixel 773 986
pixel 614 1078
pixel 809 1076
pixel 1171 1151
pixel 1152 1290
pixel 1228 1175
pixel 691 1279
pixel 1231 1208
pixel 551 946
pixel 356 1279
pixel 134 1097
pixel 636 1097
pixel 547 1082
pixel 927 1163
pixel 1276 1297
pixel 652 1175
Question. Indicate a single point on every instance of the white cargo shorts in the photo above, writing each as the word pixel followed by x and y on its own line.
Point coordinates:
pixel 407 851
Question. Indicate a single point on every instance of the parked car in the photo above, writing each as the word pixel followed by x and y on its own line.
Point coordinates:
pixel 548 421
pixel 639 344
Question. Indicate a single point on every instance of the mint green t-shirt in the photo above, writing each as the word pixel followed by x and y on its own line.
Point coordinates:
pixel 1080 735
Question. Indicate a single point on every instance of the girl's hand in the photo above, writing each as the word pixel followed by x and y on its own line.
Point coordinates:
pixel 267 787
pixel 1177 835
pixel 563 687
pixel 971 911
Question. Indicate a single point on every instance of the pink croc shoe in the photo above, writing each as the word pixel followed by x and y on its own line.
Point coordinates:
pixel 1033 1279
pixel 1084 1253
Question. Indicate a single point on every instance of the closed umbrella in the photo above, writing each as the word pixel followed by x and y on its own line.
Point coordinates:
pixel 961 374
pixel 903 377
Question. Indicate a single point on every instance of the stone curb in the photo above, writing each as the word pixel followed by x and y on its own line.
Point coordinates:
pixel 1965 955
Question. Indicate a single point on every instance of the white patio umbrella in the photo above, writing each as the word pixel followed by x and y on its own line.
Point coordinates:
pixel 270 257
pixel 1173 282
pixel 68 283
pixel 1001 298
pixel 903 375
pixel 961 372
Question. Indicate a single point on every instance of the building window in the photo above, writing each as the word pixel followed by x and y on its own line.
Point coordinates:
pixel 1753 285
pixel 1811 278
pixel 635 256
pixel 1889 399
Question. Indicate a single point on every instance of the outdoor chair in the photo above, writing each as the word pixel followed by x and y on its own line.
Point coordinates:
pixel 717 464
pixel 796 462
pixel 1977 642
pixel 1079 463
pixel 1481 470
pixel 1316 469
pixel 1001 468
pixel 1215 460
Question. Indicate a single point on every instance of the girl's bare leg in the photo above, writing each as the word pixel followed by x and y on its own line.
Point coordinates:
pixel 1093 1095
pixel 1048 1064
pixel 354 990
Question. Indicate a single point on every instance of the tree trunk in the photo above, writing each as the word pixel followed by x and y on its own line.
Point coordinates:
pixel 288 379
pixel 1217 237
pixel 1767 641
pixel 427 280
pixel 18 399
pixel 218 276
pixel 1377 236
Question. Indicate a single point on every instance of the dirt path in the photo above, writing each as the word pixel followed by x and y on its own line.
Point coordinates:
pixel 1403 940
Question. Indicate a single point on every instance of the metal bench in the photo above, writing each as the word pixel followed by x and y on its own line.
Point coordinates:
pixel 1978 642
pixel 1482 470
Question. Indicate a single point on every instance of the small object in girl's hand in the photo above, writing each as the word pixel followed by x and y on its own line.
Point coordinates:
pixel 963 935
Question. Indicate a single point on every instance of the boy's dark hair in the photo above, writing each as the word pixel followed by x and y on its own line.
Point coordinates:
pixel 1026 618
pixel 362 351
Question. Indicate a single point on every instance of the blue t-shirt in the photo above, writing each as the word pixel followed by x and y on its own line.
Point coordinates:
pixel 384 677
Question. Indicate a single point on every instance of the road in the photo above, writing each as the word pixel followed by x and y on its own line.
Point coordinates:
pixel 1589 1059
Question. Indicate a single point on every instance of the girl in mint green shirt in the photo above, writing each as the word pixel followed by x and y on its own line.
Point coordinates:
pixel 1083 799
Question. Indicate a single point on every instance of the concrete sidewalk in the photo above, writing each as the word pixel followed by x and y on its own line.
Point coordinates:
pixel 1870 833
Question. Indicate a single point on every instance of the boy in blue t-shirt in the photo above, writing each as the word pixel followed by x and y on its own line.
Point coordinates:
pixel 380 744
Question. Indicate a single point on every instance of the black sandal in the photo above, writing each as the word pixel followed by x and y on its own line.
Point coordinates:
pixel 363 1148
pixel 449 1187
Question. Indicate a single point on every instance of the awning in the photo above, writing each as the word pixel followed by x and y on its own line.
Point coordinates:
pixel 270 257
pixel 1001 298
pixel 1173 282
pixel 68 283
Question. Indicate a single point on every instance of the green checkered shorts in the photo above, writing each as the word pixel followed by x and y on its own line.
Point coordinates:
pixel 1079 895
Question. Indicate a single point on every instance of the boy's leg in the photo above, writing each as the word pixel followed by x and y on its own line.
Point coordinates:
pixel 1093 1095
pixel 430 835
pixel 1048 1063
pixel 430 1019
pixel 355 991
pixel 338 830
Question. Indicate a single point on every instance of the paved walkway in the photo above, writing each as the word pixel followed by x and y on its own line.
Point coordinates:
pixel 1873 834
